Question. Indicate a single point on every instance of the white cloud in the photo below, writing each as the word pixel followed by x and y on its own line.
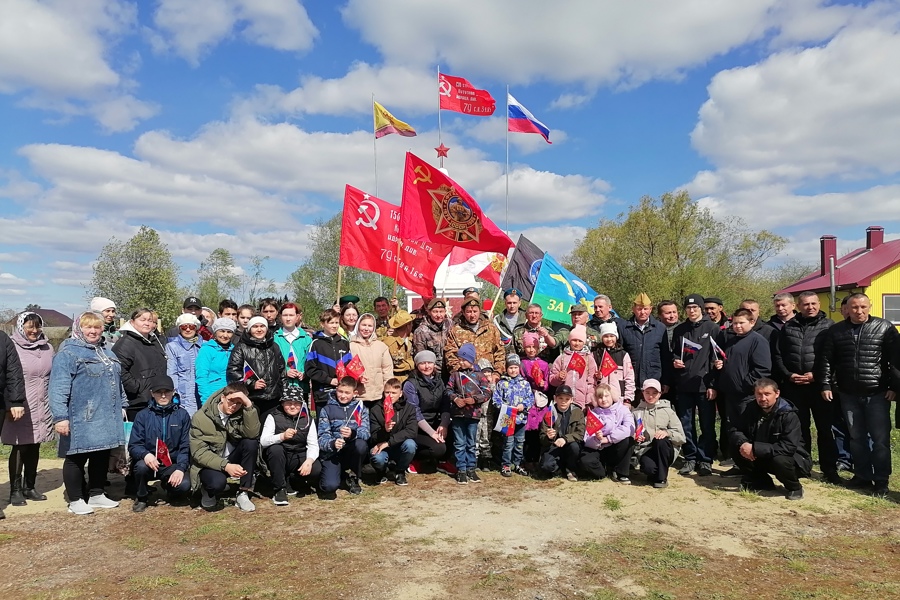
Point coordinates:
pixel 398 88
pixel 55 54
pixel 10 279
pixel 803 120
pixel 14 257
pixel 570 100
pixel 493 130
pixel 558 241
pixel 542 196
pixel 191 28
pixel 15 292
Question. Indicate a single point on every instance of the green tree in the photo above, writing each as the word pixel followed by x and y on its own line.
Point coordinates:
pixel 314 283
pixel 138 273
pixel 217 278
pixel 671 247
pixel 31 307
pixel 254 285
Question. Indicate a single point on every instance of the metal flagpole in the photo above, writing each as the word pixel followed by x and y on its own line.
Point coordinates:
pixel 440 134
pixel 507 160
pixel 375 168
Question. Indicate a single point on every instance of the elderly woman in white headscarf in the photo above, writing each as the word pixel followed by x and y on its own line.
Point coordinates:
pixel 32 424
pixel 375 357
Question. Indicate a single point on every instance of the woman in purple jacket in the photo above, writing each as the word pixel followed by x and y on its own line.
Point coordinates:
pixel 32 424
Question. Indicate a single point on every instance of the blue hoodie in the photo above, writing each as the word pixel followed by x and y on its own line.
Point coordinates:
pixel 171 423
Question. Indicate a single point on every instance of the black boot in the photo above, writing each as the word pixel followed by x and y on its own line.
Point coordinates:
pixel 16 497
pixel 28 487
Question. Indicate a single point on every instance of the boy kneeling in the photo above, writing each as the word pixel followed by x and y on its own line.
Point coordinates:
pixel 394 438
pixel 162 421
pixel 225 443
pixel 562 432
pixel 343 436
pixel 290 443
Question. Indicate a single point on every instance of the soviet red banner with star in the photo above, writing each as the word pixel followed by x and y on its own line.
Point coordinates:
pixel 370 240
pixel 437 210
pixel 458 95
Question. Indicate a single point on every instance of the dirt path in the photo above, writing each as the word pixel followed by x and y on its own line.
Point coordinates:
pixel 515 537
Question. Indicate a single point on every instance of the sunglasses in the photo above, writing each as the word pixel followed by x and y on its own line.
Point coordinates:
pixel 186 327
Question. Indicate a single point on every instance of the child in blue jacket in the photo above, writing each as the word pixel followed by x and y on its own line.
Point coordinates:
pixel 343 439
pixel 163 419
pixel 514 390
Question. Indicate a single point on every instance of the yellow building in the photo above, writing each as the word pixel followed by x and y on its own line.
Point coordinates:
pixel 873 270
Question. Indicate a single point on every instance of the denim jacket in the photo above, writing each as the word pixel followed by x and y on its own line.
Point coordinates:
pixel 86 390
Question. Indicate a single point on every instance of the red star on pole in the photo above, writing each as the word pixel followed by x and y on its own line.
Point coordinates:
pixel 442 150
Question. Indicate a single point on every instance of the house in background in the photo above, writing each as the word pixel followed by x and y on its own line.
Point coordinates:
pixel 51 318
pixel 873 270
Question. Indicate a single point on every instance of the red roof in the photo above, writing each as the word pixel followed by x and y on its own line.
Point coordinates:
pixel 855 269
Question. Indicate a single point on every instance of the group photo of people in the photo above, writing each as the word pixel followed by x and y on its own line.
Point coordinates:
pixel 263 403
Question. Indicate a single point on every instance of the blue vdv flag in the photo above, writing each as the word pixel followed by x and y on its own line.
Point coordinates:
pixel 557 289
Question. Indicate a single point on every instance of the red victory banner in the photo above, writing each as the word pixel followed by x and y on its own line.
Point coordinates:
pixel 355 368
pixel 437 210
pixel 577 364
pixel 458 95
pixel 162 453
pixel 389 411
pixel 608 365
pixel 370 241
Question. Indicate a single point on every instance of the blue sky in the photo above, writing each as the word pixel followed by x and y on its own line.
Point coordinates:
pixel 236 123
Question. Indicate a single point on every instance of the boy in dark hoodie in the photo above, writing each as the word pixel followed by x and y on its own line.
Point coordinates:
pixel 469 394
pixel 327 350
pixel 394 440
pixel 343 440
pixel 163 420
pixel 766 438
pixel 562 435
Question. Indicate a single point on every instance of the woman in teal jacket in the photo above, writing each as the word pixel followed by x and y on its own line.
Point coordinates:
pixel 293 341
pixel 212 360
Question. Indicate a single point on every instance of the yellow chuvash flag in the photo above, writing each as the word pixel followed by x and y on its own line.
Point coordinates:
pixel 386 123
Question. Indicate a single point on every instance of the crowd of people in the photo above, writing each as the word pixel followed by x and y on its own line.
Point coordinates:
pixel 254 396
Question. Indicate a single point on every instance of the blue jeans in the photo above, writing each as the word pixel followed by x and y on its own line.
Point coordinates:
pixel 464 432
pixel 702 448
pixel 869 416
pixel 514 446
pixel 402 454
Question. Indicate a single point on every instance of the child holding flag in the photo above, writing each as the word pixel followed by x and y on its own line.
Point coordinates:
pixel 290 444
pixel 327 350
pixel 343 440
pixel 562 432
pixel 294 344
pixel 393 427
pixel 513 393
pixel 658 433
pixel 614 366
pixel 537 372
pixel 607 438
pixel 576 367
pixel 374 357
pixel 258 362
pixel 469 392
pixel 159 445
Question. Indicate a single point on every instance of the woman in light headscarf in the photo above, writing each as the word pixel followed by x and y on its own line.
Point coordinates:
pixel 87 402
pixel 32 424
pixel 375 357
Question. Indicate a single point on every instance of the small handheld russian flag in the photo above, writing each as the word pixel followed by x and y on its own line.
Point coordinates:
pixel 639 429
pixel 291 359
pixel 356 415
pixel 248 372
pixel 717 349
pixel 689 347
pixel 550 418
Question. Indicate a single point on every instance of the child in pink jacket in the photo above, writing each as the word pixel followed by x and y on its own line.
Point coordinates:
pixel 576 367
pixel 621 381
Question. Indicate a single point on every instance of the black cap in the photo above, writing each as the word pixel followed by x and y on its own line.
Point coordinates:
pixel 564 390
pixel 697 299
pixel 714 299
pixel 192 301
pixel 161 382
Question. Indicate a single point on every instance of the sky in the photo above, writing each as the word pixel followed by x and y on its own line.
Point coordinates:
pixel 237 123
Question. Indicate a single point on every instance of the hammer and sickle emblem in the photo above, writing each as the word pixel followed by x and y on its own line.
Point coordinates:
pixel 444 87
pixel 367 221
pixel 424 174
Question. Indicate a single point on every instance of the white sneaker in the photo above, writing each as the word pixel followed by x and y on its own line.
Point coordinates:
pixel 101 501
pixel 243 502
pixel 80 507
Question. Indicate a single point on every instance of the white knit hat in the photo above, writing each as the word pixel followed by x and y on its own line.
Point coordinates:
pixel 99 304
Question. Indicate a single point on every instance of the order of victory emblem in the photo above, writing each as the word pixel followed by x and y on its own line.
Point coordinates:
pixel 454 218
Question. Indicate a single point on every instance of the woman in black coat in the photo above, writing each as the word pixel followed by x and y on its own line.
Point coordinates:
pixel 260 352
pixel 142 355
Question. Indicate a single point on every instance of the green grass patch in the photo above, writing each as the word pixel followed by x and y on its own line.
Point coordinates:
pixel 672 558
pixel 612 503
pixel 6 537
pixel 151 582
pixel 748 495
pixel 132 542
pixel 197 567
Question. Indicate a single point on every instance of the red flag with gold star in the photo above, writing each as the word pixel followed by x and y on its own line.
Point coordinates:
pixel 436 209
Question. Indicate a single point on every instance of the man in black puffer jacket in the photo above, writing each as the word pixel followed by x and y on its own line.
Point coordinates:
pixel 793 360
pixel 859 359
pixel 766 438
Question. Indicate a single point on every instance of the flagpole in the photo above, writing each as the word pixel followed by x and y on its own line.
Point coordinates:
pixel 440 135
pixel 340 276
pixel 397 271
pixel 375 168
pixel 507 159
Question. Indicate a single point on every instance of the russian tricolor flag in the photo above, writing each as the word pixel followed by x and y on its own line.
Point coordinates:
pixel 520 120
